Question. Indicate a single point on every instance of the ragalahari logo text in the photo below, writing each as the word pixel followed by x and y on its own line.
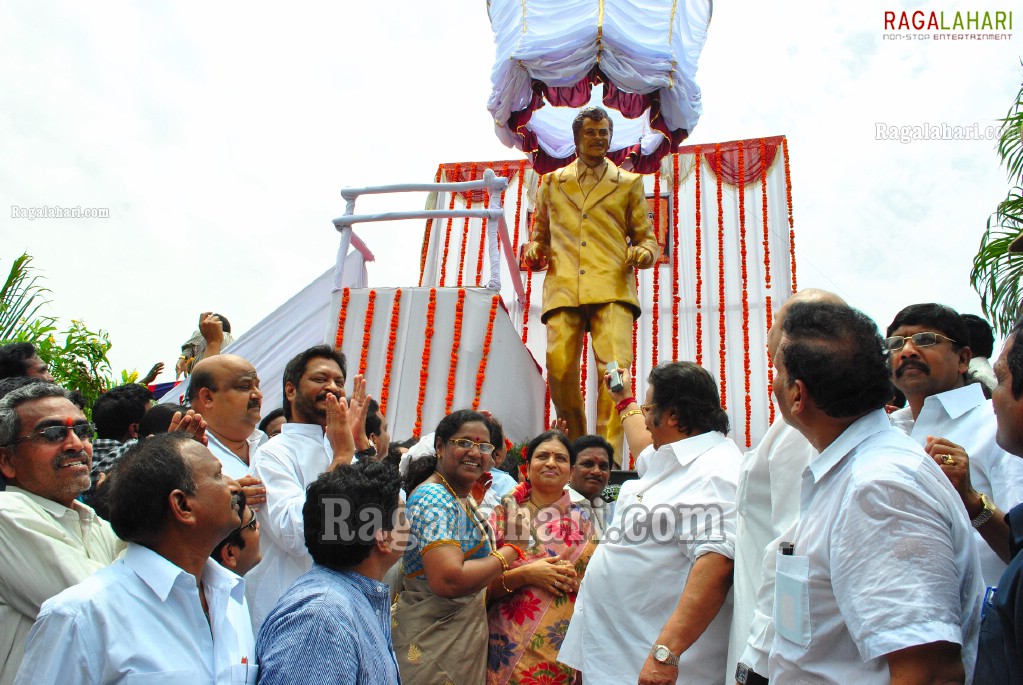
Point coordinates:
pixel 947 25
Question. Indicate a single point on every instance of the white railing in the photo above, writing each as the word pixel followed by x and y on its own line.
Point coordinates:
pixel 494 213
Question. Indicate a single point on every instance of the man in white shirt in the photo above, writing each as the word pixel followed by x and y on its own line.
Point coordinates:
pixel 590 474
pixel 166 611
pixel 316 438
pixel 48 540
pixel 766 512
pixel 225 390
pixel 951 419
pixel 880 582
pixel 654 604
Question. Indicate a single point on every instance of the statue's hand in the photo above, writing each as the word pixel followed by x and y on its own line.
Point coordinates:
pixel 639 257
pixel 534 255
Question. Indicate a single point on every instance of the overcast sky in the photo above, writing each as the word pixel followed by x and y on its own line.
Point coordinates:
pixel 219 136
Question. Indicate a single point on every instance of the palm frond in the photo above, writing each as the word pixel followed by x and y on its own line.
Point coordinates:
pixel 997 272
pixel 1010 142
pixel 21 297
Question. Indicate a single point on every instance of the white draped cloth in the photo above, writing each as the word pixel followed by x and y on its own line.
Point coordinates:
pixel 640 46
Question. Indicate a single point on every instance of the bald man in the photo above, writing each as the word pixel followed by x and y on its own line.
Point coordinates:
pixel 767 507
pixel 225 390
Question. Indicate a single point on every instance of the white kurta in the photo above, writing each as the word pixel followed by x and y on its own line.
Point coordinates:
pixel 597 510
pixel 233 465
pixel 767 508
pixel 141 620
pixel 680 509
pixel 45 548
pixel 884 560
pixel 967 419
pixel 286 465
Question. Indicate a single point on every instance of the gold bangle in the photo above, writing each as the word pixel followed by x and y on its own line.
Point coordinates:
pixel 631 412
pixel 506 588
pixel 504 563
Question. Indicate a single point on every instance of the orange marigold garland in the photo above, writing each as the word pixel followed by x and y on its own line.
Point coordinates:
pixel 456 338
pixel 465 228
pixel 392 339
pixel 547 406
pixel 367 330
pixel 699 261
pixel 342 315
pixel 767 268
pixel 745 288
pixel 675 297
pixel 457 173
pixel 721 274
pixel 656 311
pixel 518 206
pixel 635 334
pixel 487 339
pixel 431 310
pixel 525 307
pixel 788 200
pixel 426 236
pixel 583 369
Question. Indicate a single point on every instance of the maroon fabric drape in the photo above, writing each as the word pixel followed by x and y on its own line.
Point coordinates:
pixel 754 163
pixel 631 105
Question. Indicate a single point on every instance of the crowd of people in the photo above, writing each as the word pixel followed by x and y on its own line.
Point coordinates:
pixel 227 542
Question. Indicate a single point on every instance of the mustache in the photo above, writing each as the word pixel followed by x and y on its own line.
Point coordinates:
pixel 255 404
pixel 323 395
pixel 71 454
pixel 912 364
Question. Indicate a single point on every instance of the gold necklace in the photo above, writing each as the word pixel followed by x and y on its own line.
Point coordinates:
pixel 470 509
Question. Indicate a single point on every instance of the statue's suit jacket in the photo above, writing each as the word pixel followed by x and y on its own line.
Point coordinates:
pixel 586 238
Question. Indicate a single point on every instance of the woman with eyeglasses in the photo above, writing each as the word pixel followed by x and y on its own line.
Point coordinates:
pixel 532 603
pixel 439 626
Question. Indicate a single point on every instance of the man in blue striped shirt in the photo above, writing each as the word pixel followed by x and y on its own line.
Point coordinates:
pixel 334 624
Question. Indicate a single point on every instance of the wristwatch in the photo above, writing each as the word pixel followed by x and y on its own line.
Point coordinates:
pixel 744 675
pixel 367 453
pixel 663 655
pixel 985 513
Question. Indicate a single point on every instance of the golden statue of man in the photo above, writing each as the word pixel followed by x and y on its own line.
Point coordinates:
pixel 592 228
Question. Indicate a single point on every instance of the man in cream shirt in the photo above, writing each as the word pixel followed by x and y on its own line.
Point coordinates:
pixel 49 541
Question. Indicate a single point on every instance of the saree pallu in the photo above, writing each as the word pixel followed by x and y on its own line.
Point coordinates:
pixel 528 626
pixel 439 641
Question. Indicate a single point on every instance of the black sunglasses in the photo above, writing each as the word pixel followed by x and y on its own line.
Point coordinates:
pixel 58 434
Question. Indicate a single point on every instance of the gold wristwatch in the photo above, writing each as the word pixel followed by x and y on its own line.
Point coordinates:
pixel 985 514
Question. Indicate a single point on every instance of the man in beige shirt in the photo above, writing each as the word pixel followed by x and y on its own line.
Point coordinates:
pixel 49 540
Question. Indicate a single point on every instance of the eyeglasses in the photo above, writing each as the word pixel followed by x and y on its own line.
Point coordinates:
pixel 922 339
pixel 647 407
pixel 253 524
pixel 58 434
pixel 465 444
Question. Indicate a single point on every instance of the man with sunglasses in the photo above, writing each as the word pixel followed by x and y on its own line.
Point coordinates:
pixel 928 356
pixel 239 552
pixel 49 540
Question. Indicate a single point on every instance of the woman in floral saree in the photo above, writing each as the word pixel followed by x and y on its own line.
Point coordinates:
pixel 532 602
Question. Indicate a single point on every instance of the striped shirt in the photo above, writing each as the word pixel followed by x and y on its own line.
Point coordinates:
pixel 329 627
